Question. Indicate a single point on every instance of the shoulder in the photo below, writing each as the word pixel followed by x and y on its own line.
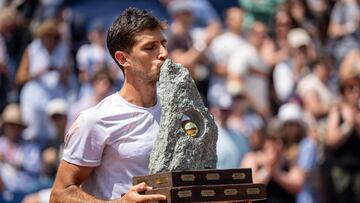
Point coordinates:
pixel 307 144
pixel 34 45
pixel 84 48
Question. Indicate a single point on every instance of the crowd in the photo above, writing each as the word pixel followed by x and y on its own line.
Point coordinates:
pixel 280 77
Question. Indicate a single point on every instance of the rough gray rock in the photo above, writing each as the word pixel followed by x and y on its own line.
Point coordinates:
pixel 174 149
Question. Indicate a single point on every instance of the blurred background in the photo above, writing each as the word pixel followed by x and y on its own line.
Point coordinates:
pixel 280 77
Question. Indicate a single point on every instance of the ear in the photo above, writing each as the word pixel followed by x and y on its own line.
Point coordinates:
pixel 122 58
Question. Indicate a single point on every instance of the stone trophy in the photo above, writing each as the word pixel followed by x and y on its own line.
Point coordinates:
pixel 183 161
pixel 188 134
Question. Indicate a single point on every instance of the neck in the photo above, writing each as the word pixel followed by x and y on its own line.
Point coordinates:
pixel 143 95
pixel 98 97
pixel 235 31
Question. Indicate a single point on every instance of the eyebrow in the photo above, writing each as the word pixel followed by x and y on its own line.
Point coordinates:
pixel 155 41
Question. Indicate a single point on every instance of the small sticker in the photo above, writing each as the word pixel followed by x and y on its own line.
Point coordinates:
pixel 185 193
pixel 212 176
pixel 161 180
pixel 142 181
pixel 188 177
pixel 230 192
pixel 207 193
pixel 253 191
pixel 238 176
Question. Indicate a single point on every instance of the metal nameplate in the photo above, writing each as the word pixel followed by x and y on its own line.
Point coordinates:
pixel 142 181
pixel 253 191
pixel 230 192
pixel 184 193
pixel 188 177
pixel 161 180
pixel 207 193
pixel 212 176
pixel 238 176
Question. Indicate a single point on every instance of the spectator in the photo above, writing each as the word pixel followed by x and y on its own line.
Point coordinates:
pixel 223 45
pixel 350 64
pixel 265 161
pixel 20 160
pixel 231 145
pixel 302 17
pixel 242 119
pixel 300 180
pixel 7 23
pixel 247 67
pixel 94 56
pixel 221 49
pixel 209 23
pixel 44 71
pixel 315 92
pixel 287 74
pixel 343 140
pixel 260 10
pixel 182 48
pixel 102 84
pixel 282 25
pixel 344 28
pixel 57 110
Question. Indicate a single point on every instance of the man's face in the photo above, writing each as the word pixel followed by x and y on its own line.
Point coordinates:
pixel 147 55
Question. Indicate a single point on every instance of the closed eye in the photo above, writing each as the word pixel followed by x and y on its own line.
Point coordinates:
pixel 150 47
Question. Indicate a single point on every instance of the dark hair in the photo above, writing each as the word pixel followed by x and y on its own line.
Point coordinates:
pixel 348 81
pixel 102 72
pixel 121 34
pixel 321 60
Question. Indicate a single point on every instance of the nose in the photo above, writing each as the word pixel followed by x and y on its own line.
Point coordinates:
pixel 163 53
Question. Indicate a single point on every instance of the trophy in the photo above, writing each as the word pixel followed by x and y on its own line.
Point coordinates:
pixel 183 161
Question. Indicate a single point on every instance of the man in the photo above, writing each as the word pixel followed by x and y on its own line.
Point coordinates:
pixel 248 68
pixel 111 142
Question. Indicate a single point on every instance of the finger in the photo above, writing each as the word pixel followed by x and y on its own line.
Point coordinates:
pixel 155 197
pixel 141 187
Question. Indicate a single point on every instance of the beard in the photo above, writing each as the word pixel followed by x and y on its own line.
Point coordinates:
pixel 149 77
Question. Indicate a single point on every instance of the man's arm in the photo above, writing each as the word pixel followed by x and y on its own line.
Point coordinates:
pixel 66 187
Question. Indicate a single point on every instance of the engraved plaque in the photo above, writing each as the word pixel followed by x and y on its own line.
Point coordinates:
pixel 188 177
pixel 230 192
pixel 196 177
pixel 212 176
pixel 143 181
pixel 212 193
pixel 207 193
pixel 238 176
pixel 161 180
pixel 184 193
pixel 253 191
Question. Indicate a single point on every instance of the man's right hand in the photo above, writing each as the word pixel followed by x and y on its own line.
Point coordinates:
pixel 133 196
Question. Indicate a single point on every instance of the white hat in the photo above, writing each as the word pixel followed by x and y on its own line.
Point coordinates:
pixel 57 106
pixel 12 114
pixel 298 37
pixel 179 6
pixel 290 112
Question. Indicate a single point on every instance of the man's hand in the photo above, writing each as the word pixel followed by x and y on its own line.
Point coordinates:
pixel 133 196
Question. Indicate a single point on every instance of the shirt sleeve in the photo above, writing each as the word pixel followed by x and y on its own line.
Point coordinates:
pixel 238 63
pixel 81 57
pixel 307 155
pixel 283 81
pixel 336 16
pixel 85 141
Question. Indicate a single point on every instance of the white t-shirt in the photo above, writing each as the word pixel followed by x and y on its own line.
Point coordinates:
pixel 116 138
pixel 241 62
pixel 224 45
pixel 313 83
pixel 92 58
